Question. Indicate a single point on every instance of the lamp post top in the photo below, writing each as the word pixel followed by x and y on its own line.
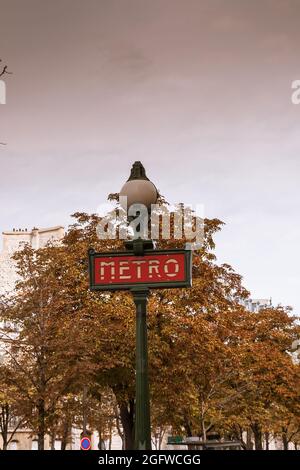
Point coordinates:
pixel 138 172
pixel 138 189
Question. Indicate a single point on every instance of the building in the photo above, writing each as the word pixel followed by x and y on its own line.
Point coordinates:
pixel 13 241
pixel 255 305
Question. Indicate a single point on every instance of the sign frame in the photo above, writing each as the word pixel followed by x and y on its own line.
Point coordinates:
pixel 187 282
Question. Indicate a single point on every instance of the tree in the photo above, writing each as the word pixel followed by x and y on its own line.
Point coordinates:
pixel 267 371
pixel 207 354
pixel 214 289
pixel 10 421
pixel 41 339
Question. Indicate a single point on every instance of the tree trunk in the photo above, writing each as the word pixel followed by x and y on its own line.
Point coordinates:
pixel 110 436
pixel 126 415
pixel 202 419
pixel 41 424
pixel 256 428
pixel 189 431
pixel 249 444
pixel 121 434
pixel 65 434
pixel 285 441
pixel 188 428
pixel 101 443
pixel 4 425
pixel 52 440
pixel 267 439
pixel 161 437
pixel 5 422
pixel 203 430
pixel 64 443
pixel 100 437
pixel 5 444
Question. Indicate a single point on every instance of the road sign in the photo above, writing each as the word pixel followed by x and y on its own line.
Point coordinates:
pixel 139 269
pixel 174 440
pixel 85 443
pixel 154 269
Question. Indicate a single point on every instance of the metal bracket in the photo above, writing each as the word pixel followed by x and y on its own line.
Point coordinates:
pixel 138 246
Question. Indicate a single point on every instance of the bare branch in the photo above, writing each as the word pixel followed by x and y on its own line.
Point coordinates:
pixel 4 70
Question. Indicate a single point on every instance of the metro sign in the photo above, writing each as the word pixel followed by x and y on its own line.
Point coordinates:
pixel 154 269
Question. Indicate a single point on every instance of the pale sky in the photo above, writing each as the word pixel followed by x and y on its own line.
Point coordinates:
pixel 199 91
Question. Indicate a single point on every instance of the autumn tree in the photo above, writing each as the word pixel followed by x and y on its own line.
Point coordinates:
pixel 40 337
pixel 267 371
pixel 197 337
pixel 214 366
pixel 111 331
pixel 215 289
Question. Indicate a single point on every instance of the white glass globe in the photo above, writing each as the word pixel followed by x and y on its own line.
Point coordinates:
pixel 139 191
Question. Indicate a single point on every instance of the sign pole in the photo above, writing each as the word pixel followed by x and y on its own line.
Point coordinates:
pixel 138 270
pixel 142 403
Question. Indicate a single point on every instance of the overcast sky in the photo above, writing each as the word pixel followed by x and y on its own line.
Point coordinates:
pixel 199 91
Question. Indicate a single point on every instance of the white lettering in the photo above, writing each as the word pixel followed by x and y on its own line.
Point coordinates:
pixel 103 265
pixel 123 268
pixel 138 268
pixel 296 94
pixel 154 266
pixel 166 267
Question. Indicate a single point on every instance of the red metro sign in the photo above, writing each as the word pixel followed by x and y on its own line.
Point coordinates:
pixel 154 269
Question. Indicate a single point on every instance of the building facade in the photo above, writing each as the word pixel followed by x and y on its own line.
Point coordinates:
pixel 13 241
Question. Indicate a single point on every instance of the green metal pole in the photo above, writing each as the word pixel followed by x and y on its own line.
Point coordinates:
pixel 142 403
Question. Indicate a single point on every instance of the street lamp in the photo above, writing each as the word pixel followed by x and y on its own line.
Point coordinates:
pixel 139 189
pixel 138 270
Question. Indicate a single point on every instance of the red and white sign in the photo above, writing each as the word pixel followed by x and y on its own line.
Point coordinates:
pixel 85 443
pixel 154 269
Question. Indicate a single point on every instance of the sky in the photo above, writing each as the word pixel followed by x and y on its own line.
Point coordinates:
pixel 199 91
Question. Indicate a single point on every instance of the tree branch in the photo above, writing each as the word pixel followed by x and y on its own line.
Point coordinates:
pixel 4 70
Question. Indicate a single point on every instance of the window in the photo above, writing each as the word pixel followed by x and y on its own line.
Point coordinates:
pixel 57 444
pixel 34 444
pixel 13 445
